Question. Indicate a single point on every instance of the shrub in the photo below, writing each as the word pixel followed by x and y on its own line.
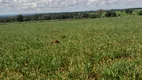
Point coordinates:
pixel 140 13
pixel 110 14
pixel 94 16
pixel 129 11
pixel 119 14
pixel 113 14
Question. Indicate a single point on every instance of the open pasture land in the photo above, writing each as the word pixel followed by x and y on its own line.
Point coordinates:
pixel 88 49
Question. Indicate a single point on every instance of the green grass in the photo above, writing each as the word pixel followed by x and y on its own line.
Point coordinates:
pixel 89 49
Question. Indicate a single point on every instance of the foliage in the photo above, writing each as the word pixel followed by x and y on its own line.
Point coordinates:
pixel 100 12
pixel 129 11
pixel 94 16
pixel 119 14
pixel 110 14
pixel 113 14
pixel 20 18
pixel 70 15
pixel 140 13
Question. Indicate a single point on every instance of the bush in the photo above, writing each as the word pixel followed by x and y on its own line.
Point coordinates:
pixel 113 14
pixel 129 11
pixel 140 13
pixel 119 14
pixel 110 14
pixel 94 16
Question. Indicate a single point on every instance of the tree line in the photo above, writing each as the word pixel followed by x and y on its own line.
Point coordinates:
pixel 67 15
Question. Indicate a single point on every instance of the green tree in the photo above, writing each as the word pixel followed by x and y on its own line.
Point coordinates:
pixel 100 12
pixel 20 18
pixel 113 14
pixel 140 13
pixel 85 15
pixel 110 14
pixel 129 11
pixel 94 16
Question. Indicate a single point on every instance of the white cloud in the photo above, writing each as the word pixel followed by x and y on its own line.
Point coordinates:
pixel 34 5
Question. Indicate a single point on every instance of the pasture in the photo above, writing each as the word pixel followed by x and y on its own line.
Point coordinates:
pixel 88 49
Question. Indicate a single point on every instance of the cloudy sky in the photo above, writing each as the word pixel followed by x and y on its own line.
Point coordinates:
pixel 41 6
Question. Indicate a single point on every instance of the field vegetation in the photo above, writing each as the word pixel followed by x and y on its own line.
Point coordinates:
pixel 87 49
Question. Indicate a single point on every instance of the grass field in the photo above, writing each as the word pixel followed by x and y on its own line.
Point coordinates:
pixel 89 49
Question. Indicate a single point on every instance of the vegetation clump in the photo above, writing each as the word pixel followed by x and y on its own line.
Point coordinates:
pixel 20 18
pixel 110 14
pixel 140 13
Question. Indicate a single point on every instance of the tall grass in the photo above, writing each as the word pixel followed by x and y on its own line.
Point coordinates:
pixel 90 49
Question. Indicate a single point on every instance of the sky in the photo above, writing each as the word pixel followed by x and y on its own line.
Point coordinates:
pixel 48 6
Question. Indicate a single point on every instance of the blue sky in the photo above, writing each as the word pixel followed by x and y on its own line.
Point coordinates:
pixel 47 6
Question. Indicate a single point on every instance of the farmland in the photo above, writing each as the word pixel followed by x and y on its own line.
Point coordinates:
pixel 88 49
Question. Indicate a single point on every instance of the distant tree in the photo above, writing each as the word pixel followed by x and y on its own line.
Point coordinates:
pixel 113 14
pixel 100 12
pixel 129 11
pixel 35 17
pixel 27 18
pixel 20 18
pixel 46 17
pixel 94 16
pixel 110 14
pixel 140 13
pixel 85 15
pixel 121 11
